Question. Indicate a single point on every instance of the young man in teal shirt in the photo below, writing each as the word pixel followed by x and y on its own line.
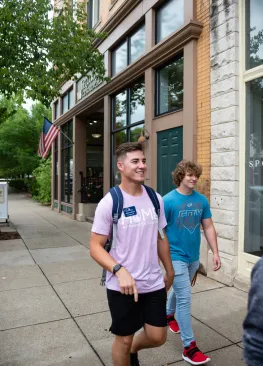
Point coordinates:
pixel 186 210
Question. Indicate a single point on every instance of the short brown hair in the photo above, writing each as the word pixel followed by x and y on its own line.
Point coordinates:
pixel 185 166
pixel 127 147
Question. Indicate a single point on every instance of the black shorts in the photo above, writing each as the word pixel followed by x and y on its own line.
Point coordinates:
pixel 129 316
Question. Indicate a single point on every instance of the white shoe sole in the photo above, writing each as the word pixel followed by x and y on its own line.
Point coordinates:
pixel 174 331
pixel 195 363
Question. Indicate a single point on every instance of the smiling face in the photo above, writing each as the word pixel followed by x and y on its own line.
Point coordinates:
pixel 189 181
pixel 133 166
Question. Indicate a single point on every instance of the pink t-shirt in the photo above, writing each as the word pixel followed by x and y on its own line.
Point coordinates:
pixel 136 242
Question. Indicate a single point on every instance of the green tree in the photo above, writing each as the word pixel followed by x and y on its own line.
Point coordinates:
pixel 39 53
pixel 19 139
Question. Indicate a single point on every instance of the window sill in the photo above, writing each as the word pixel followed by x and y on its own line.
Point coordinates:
pixel 96 25
pixel 167 113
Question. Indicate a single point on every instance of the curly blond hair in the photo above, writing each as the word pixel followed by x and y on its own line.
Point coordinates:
pixel 185 166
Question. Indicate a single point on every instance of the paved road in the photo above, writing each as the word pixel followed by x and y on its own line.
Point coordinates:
pixel 53 311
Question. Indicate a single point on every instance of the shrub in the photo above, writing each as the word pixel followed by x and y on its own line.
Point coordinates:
pixel 41 185
pixel 18 184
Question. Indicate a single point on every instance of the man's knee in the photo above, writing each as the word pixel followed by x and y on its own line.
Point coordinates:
pixel 157 338
pixel 125 342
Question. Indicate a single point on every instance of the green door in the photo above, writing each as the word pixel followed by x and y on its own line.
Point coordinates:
pixel 169 154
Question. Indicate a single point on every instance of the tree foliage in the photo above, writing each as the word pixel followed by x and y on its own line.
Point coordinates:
pixel 42 182
pixel 39 53
pixel 19 138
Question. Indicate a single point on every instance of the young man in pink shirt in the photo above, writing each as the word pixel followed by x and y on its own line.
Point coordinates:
pixel 136 288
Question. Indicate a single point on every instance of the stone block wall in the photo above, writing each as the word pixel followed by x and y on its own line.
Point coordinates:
pixel 224 50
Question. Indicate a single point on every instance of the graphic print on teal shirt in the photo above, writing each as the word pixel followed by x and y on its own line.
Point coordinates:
pixel 184 214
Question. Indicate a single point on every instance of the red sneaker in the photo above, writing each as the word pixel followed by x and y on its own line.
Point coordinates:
pixel 194 356
pixel 173 325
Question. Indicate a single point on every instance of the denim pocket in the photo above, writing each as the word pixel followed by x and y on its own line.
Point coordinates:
pixel 178 267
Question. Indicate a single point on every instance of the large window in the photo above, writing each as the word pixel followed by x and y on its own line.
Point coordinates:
pixel 56 169
pixel 254 33
pixel 129 51
pixel 68 101
pixel 254 167
pixel 93 9
pixel 128 114
pixel 169 18
pixel 67 162
pixel 169 87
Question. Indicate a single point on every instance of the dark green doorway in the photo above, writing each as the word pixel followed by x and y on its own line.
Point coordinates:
pixel 169 154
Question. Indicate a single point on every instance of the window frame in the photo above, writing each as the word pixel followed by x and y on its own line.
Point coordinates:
pixel 127 40
pixel 66 145
pixel 90 21
pixel 128 125
pixel 157 86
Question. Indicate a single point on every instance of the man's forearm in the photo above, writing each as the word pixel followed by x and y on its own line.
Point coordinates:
pixel 211 238
pixel 164 254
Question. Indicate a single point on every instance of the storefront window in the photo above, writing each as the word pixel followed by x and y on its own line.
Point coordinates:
pixel 67 163
pixel 254 168
pixel 56 169
pixel 254 33
pixel 128 113
pixel 129 51
pixel 169 18
pixel 170 90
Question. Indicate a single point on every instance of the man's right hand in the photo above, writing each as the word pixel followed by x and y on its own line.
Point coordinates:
pixel 127 283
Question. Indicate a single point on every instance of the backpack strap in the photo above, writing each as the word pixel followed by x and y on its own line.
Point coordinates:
pixel 117 208
pixel 153 196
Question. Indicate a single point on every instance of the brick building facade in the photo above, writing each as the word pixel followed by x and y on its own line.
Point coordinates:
pixel 187 60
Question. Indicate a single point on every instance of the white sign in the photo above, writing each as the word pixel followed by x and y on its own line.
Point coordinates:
pixel 3 201
pixel 87 85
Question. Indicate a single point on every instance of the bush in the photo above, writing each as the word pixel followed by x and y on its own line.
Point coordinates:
pixel 41 184
pixel 18 184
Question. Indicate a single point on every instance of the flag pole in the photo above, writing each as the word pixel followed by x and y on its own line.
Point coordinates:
pixel 66 136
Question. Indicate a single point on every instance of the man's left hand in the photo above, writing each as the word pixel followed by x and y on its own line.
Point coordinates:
pixel 216 262
pixel 168 280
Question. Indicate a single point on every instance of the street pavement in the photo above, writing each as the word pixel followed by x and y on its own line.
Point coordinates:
pixel 53 310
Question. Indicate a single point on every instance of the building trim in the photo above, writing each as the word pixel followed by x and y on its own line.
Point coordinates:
pixel 159 54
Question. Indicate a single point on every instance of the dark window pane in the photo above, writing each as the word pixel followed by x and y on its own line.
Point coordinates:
pixel 254 169
pixel 65 103
pixel 170 87
pixel 118 138
pixel 135 132
pixel 56 110
pixel 137 44
pixel 95 12
pixel 119 59
pixel 120 110
pixel 70 181
pixel 169 18
pixel 254 33
pixel 137 103
pixel 71 99
pixel 70 132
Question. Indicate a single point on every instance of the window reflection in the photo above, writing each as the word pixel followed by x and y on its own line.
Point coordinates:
pixel 170 87
pixel 120 110
pixel 119 59
pixel 67 163
pixel 137 103
pixel 137 44
pixel 254 33
pixel 254 168
pixel 169 18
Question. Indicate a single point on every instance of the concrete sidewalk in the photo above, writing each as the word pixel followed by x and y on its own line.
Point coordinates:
pixel 54 312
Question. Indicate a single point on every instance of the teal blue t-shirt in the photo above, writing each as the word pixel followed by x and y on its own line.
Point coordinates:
pixel 184 214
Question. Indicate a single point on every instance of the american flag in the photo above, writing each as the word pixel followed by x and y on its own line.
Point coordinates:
pixel 48 134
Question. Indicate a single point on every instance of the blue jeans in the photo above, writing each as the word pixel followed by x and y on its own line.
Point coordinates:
pixel 179 300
